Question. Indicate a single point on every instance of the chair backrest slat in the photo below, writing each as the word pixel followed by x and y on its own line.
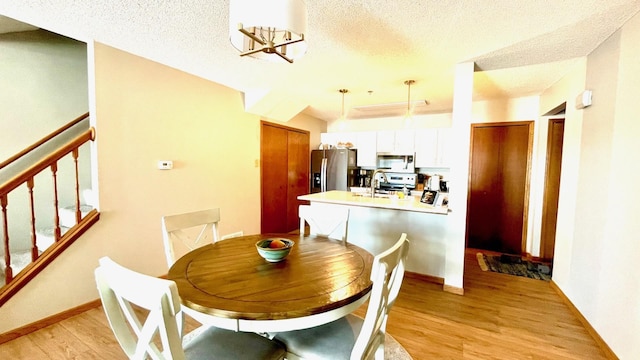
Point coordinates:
pixel 387 273
pixel 122 291
pixel 328 222
pixel 188 231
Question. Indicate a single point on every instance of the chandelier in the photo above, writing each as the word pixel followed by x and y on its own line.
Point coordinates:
pixel 262 29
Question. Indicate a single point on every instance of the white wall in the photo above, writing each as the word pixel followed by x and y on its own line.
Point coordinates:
pixel 314 125
pixel 596 242
pixel 565 91
pixel 391 123
pixel 618 299
pixel 500 110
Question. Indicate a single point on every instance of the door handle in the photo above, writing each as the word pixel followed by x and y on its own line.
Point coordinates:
pixel 322 175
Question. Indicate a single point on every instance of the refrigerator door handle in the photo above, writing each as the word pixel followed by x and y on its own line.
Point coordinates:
pixel 323 175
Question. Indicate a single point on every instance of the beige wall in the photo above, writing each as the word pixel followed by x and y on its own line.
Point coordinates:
pixel 314 125
pixel 145 112
pixel 43 85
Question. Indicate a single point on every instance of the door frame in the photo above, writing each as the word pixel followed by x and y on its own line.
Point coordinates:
pixel 527 186
pixel 547 195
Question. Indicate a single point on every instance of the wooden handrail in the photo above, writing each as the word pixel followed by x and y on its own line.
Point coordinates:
pixel 43 140
pixel 46 162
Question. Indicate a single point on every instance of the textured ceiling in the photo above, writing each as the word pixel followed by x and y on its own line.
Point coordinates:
pixel 369 47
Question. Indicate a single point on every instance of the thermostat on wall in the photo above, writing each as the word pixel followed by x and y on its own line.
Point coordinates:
pixel 165 164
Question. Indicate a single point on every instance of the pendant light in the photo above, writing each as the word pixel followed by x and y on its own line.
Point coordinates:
pixel 342 119
pixel 407 117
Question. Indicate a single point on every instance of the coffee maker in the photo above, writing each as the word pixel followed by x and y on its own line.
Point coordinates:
pixel 434 182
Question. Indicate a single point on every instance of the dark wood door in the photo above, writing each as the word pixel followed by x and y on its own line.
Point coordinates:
pixel 284 176
pixel 551 188
pixel 499 172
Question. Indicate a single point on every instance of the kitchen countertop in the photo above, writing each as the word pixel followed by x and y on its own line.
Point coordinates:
pixel 411 203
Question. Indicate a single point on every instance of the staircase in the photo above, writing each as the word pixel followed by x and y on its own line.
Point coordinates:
pixel 28 247
pixel 45 237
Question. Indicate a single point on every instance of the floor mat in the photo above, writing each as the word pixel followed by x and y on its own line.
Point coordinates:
pixel 514 265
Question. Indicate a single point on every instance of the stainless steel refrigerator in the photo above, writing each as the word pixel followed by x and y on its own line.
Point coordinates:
pixel 333 169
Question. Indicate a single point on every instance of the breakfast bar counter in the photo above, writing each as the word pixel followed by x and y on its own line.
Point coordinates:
pixel 409 203
pixel 375 224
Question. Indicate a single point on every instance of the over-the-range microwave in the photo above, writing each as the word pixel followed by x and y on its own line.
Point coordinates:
pixel 396 162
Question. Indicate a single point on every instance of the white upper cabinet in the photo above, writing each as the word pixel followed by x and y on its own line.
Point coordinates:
pixel 404 141
pixel 445 147
pixel 364 142
pixel 385 141
pixel 334 138
pixel 329 138
pixel 426 144
pixel 367 148
pixel 395 141
pixel 432 147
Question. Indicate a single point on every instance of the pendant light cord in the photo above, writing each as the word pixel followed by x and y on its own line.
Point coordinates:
pixel 343 91
pixel 408 83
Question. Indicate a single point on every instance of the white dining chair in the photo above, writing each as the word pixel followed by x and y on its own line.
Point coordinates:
pixel 232 235
pixel 182 233
pixel 328 222
pixel 352 337
pixel 145 316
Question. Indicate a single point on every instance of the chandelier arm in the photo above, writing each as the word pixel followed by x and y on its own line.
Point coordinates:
pixel 289 42
pixel 284 57
pixel 251 52
pixel 252 36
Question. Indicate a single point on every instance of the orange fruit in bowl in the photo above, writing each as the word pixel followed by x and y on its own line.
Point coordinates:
pixel 277 244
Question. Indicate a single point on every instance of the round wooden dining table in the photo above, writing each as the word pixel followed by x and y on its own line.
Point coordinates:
pixel 231 286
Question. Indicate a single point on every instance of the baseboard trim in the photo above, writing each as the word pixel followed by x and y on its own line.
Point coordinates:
pixel 435 280
pixel 594 334
pixel 453 289
pixel 42 323
pixel 423 277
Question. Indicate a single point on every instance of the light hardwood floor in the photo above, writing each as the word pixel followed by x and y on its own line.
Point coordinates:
pixel 499 317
